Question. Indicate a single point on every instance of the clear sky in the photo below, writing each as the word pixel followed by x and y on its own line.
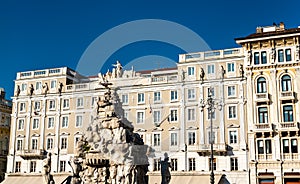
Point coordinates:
pixel 46 34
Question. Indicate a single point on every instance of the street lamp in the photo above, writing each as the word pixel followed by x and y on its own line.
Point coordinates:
pixel 211 105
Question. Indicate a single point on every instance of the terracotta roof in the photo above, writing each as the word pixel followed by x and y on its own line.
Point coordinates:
pixel 156 70
pixel 272 33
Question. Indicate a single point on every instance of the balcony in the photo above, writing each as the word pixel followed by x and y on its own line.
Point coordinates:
pixel 204 149
pixel 31 154
pixel 263 127
pixel 288 126
pixel 262 97
pixel 287 95
pixel 265 157
pixel 290 156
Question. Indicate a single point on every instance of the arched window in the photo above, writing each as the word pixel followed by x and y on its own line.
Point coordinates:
pixel 261 85
pixel 286 84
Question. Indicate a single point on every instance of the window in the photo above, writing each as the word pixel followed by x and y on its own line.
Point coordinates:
pixel 286 83
pixel 231 91
pixel 191 138
pixel 174 165
pixel 24 87
pixel 22 106
pixel 280 55
pixel 156 96
pixel 231 112
pixel 64 143
pixel 174 139
pixel 53 84
pixel 62 166
pixel 192 164
pixel 34 144
pixel 211 114
pixel 156 116
pixel 19 144
pixel 140 117
pixel 32 166
pixel 210 69
pixel 288 56
pixel 191 71
pixel 79 102
pixel 35 124
pixel 51 104
pixel 261 85
pixel 93 99
pixel 49 143
pixel 21 124
pixel 288 113
pixel 233 137
pixel 256 58
pixel 50 122
pixel 125 98
pixel 191 94
pixel 214 164
pixel 38 85
pixel 211 138
pixel 285 145
pixel 173 115
pixel 156 164
pixel 141 97
pixel 65 121
pixel 66 103
pixel 191 114
pixel 262 115
pixel 37 106
pixel 230 67
pixel 174 95
pixel 263 57
pixel 234 164
pixel 156 139
pixel 264 146
pixel 18 167
pixel 211 91
pixel 294 146
pixel 78 121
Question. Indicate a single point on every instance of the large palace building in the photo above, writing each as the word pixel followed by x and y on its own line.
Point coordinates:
pixel 254 122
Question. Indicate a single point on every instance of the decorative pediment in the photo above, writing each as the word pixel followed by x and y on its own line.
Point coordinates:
pixel 192 128
pixel 35 135
pixel 173 128
pixel 20 136
pixel 78 133
pixel 50 134
pixel 233 126
pixel 140 130
pixel 65 133
pixel 157 129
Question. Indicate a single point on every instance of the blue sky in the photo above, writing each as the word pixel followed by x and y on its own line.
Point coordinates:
pixel 46 34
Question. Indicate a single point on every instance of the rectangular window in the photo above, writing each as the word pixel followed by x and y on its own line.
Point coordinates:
pixel 211 138
pixel 19 144
pixel 192 164
pixel 140 117
pixel 66 103
pixel 34 144
pixel 65 122
pixel 156 116
pixel 157 96
pixel 156 139
pixel 156 164
pixel 285 146
pixel 141 98
pixel 191 138
pixel 280 55
pixel 62 166
pixel 21 124
pixel 174 95
pixel 230 67
pixel 18 167
pixel 260 146
pixel 294 145
pixel 125 98
pixel 37 106
pixel 53 84
pixel 231 112
pixel 174 164
pixel 288 113
pixel 173 115
pixel 64 143
pixel 191 114
pixel 24 87
pixel 191 71
pixel 262 115
pixel 22 106
pixel 174 139
pixel 212 114
pixel 78 121
pixel 35 124
pixel 51 104
pixel 32 166
pixel 191 94
pixel 234 164
pixel 49 143
pixel 288 56
pixel 210 69
pixel 231 91
pixel 214 164
pixel 268 144
pixel 79 102
pixel 263 57
pixel 50 122
pixel 233 137
pixel 38 85
pixel 211 91
pixel 256 58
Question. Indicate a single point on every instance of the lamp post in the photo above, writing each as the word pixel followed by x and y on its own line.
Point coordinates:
pixel 211 105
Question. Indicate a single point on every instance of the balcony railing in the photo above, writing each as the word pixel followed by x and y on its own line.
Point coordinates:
pixel 206 148
pixel 287 95
pixel 265 156
pixel 30 154
pixel 290 156
pixel 164 79
pixel 264 127
pixel 288 125
pixel 262 97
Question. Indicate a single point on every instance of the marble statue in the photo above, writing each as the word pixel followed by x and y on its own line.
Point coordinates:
pixel 118 69
pixel 31 89
pixel 45 88
pixel 249 57
pixel 241 70
pixel 60 86
pixel 18 91
pixel 48 178
pixel 202 74
pixel 222 72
